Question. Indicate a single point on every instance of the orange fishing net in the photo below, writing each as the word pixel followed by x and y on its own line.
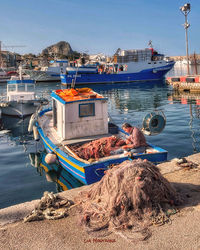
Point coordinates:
pixel 98 148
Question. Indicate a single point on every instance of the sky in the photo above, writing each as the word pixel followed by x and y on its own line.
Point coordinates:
pixel 99 26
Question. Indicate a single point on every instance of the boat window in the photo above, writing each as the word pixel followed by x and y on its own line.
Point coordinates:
pixel 21 87
pixel 30 88
pixel 12 87
pixel 87 109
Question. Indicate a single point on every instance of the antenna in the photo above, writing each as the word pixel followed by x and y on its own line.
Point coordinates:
pixel 150 44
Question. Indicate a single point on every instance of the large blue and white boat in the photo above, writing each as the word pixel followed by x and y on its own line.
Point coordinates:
pixel 124 67
pixel 79 117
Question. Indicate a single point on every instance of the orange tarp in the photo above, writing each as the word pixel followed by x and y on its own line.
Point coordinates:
pixel 69 95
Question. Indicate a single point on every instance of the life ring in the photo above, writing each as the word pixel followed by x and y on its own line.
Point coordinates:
pixel 154 123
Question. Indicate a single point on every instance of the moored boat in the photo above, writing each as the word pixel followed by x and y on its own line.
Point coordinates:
pixel 125 66
pixel 20 100
pixel 50 73
pixel 78 117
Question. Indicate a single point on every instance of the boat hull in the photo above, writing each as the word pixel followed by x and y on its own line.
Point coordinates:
pixel 43 76
pixel 151 74
pixel 20 109
pixel 93 172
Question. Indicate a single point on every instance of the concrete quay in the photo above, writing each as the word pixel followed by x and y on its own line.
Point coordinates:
pixel 66 233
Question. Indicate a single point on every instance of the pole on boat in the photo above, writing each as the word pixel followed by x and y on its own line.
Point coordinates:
pixel 185 9
pixel 20 72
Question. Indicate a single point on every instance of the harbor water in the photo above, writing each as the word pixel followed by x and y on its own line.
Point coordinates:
pixel 21 179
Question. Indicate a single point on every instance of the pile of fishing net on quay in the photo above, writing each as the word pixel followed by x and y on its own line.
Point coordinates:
pixel 130 198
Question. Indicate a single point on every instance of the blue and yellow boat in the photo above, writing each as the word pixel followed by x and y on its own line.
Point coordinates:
pixel 80 116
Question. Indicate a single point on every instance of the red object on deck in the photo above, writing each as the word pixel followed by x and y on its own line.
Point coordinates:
pixel 9 73
pixel 197 79
pixel 152 50
pixel 182 78
pixel 183 101
pixel 197 101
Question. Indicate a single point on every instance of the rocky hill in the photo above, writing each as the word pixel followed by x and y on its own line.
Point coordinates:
pixel 61 48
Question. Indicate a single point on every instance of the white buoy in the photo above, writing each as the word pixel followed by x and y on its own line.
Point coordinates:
pixel 35 133
pixel 32 122
pixel 50 158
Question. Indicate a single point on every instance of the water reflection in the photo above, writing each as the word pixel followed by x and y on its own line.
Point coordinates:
pixel 193 101
pixel 53 172
pixel 15 131
pixel 17 126
pixel 133 96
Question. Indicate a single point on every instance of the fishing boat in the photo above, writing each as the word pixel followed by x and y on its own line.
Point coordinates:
pixel 21 99
pixel 80 116
pixel 49 73
pixel 124 67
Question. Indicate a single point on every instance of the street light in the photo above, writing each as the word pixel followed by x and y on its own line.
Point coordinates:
pixel 185 9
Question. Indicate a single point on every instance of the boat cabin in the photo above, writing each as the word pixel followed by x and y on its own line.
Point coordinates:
pixel 20 90
pixel 57 66
pixel 79 113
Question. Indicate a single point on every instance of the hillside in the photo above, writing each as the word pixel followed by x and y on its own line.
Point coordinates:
pixel 61 48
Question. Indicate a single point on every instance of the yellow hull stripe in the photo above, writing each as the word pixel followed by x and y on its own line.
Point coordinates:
pixel 62 185
pixel 45 168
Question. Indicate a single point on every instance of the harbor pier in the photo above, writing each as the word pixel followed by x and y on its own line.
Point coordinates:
pixel 182 233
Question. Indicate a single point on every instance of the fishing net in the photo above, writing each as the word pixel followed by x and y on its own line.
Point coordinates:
pixel 128 199
pixel 98 148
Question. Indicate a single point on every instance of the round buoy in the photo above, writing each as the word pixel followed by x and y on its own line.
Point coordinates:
pixel 50 158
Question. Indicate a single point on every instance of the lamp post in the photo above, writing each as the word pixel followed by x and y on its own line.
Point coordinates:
pixel 185 9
